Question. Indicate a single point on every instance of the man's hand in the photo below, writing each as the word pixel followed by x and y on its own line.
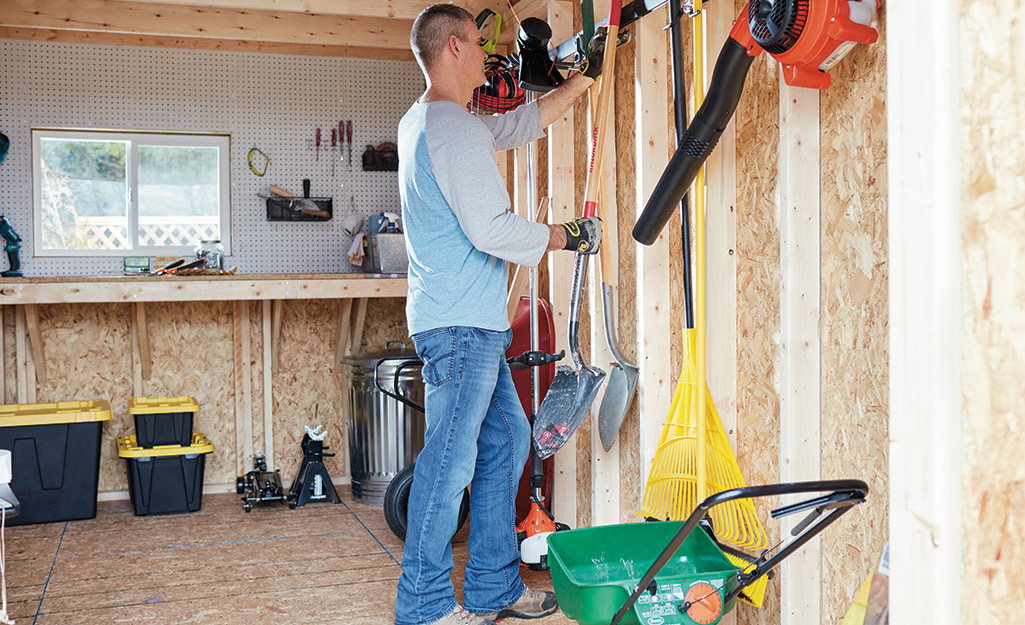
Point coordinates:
pixel 595 55
pixel 583 235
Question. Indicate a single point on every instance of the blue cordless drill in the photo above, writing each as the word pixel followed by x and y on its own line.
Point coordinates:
pixel 12 247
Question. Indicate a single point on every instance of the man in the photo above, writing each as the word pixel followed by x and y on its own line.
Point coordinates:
pixel 460 238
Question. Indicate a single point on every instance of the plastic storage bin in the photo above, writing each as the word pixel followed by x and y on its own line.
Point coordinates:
pixel 163 420
pixel 166 479
pixel 55 450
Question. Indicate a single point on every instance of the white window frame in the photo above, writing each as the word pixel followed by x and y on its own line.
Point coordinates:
pixel 135 138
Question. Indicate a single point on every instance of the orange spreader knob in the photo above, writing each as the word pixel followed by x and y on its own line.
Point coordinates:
pixel 705 603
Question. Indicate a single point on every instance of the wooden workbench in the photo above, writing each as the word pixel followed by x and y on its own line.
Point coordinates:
pixel 253 331
pixel 88 289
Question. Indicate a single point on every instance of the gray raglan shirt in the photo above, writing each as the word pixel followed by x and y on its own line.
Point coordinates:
pixel 460 235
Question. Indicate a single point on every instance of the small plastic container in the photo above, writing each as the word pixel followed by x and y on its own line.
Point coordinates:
pixel 167 479
pixel 55 450
pixel 163 420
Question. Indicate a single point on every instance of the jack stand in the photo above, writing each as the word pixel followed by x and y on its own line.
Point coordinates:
pixel 313 482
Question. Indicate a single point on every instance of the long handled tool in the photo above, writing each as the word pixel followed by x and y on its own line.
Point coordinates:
pixel 694 456
pixel 573 391
pixel 623 374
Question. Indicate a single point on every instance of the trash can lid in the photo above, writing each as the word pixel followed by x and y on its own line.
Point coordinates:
pixel 370 359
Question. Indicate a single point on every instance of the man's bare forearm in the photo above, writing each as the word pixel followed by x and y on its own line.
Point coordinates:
pixel 556 238
pixel 554 103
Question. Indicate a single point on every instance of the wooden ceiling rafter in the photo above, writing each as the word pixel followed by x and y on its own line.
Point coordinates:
pixel 351 28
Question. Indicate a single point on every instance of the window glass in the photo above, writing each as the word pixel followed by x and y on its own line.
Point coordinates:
pixel 179 195
pixel 84 194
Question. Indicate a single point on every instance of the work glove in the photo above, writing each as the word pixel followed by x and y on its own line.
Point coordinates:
pixel 583 235
pixel 595 55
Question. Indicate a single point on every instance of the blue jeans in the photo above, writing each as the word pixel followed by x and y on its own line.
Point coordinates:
pixel 476 434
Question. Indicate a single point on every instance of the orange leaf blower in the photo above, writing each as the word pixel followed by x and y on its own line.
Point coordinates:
pixel 807 37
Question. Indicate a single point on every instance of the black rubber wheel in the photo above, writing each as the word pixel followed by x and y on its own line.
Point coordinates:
pixel 396 501
pixel 240 485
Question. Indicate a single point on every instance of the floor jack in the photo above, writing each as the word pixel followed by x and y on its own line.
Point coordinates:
pixel 313 482
pixel 260 485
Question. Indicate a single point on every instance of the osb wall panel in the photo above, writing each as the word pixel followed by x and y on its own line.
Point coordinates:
pixel 307 391
pixel 758 301
pixel 192 349
pixel 853 297
pixel 993 231
pixel 89 356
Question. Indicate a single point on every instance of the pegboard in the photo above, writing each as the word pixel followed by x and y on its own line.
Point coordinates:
pixel 271 101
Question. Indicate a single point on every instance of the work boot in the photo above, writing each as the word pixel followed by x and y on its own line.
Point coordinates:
pixel 459 616
pixel 531 604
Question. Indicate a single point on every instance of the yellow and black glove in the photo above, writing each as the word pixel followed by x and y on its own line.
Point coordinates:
pixel 595 55
pixel 583 235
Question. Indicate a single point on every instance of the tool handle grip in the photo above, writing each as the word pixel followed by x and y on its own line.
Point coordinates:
pixel 700 140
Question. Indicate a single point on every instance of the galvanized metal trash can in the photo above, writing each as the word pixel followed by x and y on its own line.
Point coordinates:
pixel 385 435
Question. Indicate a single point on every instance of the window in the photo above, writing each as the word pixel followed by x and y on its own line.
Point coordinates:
pixel 105 193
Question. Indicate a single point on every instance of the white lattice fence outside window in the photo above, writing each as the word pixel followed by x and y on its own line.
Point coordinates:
pixel 112 232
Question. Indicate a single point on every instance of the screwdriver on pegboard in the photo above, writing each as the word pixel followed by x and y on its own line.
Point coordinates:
pixel 318 145
pixel 348 139
pixel 334 143
pixel 341 137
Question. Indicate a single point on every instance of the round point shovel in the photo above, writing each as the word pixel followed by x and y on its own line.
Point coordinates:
pixel 623 374
pixel 572 392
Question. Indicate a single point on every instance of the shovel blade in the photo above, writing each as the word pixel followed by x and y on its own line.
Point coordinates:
pixel 619 393
pixel 567 402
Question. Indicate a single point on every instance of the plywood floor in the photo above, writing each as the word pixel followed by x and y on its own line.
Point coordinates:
pixel 321 564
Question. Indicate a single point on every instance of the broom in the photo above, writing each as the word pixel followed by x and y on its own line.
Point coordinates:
pixel 694 458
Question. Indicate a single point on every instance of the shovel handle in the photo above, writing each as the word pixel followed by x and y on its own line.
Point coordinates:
pixel 606 273
pixel 604 99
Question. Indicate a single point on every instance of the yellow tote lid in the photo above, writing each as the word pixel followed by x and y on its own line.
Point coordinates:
pixel 128 448
pixel 163 405
pixel 12 415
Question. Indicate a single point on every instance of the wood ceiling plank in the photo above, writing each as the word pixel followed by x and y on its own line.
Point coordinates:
pixel 395 9
pixel 199 43
pixel 140 18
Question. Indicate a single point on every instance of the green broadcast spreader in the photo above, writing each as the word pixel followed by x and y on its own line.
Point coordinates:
pixel 622 573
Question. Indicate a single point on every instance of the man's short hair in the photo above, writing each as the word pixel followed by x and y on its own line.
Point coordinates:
pixel 433 27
